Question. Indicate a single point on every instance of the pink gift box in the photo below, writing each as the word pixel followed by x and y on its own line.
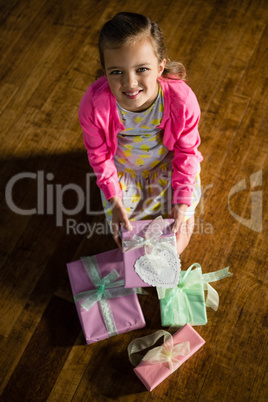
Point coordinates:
pixel 126 310
pixel 132 279
pixel 152 375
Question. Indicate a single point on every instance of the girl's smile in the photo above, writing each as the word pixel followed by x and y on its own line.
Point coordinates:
pixel 133 95
pixel 132 72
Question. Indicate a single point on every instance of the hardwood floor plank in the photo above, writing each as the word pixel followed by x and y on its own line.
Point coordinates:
pixel 247 311
pixel 170 20
pixel 35 63
pixel 65 56
pixel 219 379
pixel 240 330
pixel 196 50
pixel 45 354
pixel 23 269
pixel 44 285
pixel 50 164
pixel 229 60
pixel 239 350
pixel 230 114
pixel 18 125
pixel 7 91
pixel 60 116
pixel 245 156
pixel 32 251
pixel 183 385
pixel 13 346
pixel 257 66
pixel 215 116
pixel 259 391
pixel 15 17
pixel 184 36
pixel 83 14
pixel 117 367
pixel 6 9
pixel 72 372
pixel 230 241
pixel 20 34
pixel 67 59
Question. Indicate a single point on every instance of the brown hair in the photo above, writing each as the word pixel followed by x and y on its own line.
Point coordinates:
pixel 127 27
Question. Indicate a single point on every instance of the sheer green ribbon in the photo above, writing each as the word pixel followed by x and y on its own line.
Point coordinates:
pixel 186 287
pixel 166 353
pixel 107 287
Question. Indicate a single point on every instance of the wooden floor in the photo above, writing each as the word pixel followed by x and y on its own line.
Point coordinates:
pixel 48 59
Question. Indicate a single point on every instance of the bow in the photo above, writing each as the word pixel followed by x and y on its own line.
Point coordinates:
pixel 189 284
pixel 151 238
pixel 166 353
pixel 105 288
pixel 153 243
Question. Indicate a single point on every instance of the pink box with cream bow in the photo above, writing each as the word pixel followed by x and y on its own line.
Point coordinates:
pixel 152 375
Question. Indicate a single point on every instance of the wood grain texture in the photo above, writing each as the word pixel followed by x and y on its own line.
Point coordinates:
pixel 45 353
pixel 48 59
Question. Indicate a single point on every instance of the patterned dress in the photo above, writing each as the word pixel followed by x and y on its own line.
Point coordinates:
pixel 144 166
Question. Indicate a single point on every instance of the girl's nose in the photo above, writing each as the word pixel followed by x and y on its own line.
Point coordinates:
pixel 130 80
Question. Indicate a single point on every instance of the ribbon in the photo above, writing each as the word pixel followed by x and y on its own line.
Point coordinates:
pixel 187 287
pixel 153 243
pixel 107 287
pixel 166 353
pixel 151 237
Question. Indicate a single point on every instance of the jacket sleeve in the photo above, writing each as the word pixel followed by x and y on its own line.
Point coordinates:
pixel 99 155
pixel 186 155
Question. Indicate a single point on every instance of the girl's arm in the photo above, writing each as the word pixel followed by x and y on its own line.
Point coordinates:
pixel 186 155
pixel 99 155
pixel 186 162
pixel 101 160
pixel 119 217
pixel 178 214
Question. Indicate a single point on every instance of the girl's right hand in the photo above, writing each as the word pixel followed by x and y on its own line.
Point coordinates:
pixel 119 217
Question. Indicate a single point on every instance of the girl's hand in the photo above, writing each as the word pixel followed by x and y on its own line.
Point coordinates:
pixel 178 214
pixel 119 217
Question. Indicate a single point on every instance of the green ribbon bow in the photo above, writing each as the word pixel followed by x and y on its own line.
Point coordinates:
pixel 186 287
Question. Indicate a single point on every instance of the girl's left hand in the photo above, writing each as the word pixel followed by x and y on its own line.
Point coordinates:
pixel 178 214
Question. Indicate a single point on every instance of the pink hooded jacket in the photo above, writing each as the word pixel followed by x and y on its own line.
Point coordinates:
pixel 100 123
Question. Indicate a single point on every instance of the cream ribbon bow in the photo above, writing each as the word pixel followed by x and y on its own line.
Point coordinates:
pixel 166 353
pixel 151 237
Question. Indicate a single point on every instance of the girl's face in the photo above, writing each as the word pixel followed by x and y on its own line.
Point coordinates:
pixel 132 71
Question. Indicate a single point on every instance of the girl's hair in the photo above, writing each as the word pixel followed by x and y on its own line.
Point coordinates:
pixel 128 27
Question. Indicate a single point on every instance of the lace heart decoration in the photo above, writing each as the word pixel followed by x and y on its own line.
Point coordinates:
pixel 160 269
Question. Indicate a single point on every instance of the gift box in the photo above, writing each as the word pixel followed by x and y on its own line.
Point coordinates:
pixel 186 303
pixel 150 255
pixel 162 361
pixel 105 308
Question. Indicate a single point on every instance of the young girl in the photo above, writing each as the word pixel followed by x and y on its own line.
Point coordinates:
pixel 140 127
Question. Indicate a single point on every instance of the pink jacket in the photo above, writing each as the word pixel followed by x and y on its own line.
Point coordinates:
pixel 100 123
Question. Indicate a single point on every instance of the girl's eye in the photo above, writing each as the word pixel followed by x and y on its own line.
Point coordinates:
pixel 141 69
pixel 116 72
